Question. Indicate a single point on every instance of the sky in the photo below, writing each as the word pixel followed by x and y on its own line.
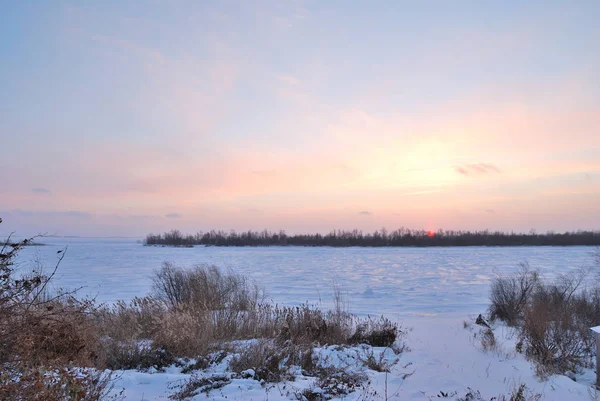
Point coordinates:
pixel 120 118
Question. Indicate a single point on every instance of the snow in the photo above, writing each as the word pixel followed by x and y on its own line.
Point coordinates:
pixel 432 291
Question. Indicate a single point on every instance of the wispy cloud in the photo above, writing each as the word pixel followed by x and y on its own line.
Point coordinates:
pixel 44 213
pixel 365 213
pixel 41 191
pixel 173 216
pixel 476 169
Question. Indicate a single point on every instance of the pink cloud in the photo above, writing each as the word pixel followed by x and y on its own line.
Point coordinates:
pixel 476 169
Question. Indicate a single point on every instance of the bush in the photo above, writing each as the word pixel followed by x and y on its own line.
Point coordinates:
pixel 509 295
pixel 554 319
pixel 556 328
pixel 205 288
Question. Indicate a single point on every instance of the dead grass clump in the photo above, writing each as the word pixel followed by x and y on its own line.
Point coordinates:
pixel 378 364
pixel 140 319
pixel 304 325
pixel 381 332
pixel 184 334
pixel 338 383
pixel 488 340
pixel 265 358
pixel 55 384
pixel 509 295
pixel 196 385
pixel 519 393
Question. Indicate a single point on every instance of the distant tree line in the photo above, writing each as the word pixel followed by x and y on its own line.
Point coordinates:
pixel 379 238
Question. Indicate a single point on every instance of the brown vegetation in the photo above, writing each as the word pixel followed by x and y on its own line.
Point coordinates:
pixel 46 341
pixel 553 318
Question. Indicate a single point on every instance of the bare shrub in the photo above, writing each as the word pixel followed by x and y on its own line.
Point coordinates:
pixel 204 287
pixel 42 336
pixel 553 318
pixel 36 328
pixel 509 295
pixel 556 328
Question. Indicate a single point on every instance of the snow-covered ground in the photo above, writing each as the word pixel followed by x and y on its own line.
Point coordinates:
pixel 445 358
pixel 430 290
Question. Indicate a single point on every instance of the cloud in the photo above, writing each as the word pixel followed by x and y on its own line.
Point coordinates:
pixel 476 169
pixel 365 213
pixel 491 211
pixel 173 216
pixel 42 191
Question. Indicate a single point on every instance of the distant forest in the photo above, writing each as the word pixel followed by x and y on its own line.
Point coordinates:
pixel 380 238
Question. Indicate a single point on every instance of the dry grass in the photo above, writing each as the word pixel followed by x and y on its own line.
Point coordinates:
pixel 177 323
pixel 55 384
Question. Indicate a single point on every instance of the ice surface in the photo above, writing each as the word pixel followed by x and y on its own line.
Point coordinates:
pixel 393 281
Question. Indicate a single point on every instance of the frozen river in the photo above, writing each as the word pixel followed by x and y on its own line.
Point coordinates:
pixel 398 282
